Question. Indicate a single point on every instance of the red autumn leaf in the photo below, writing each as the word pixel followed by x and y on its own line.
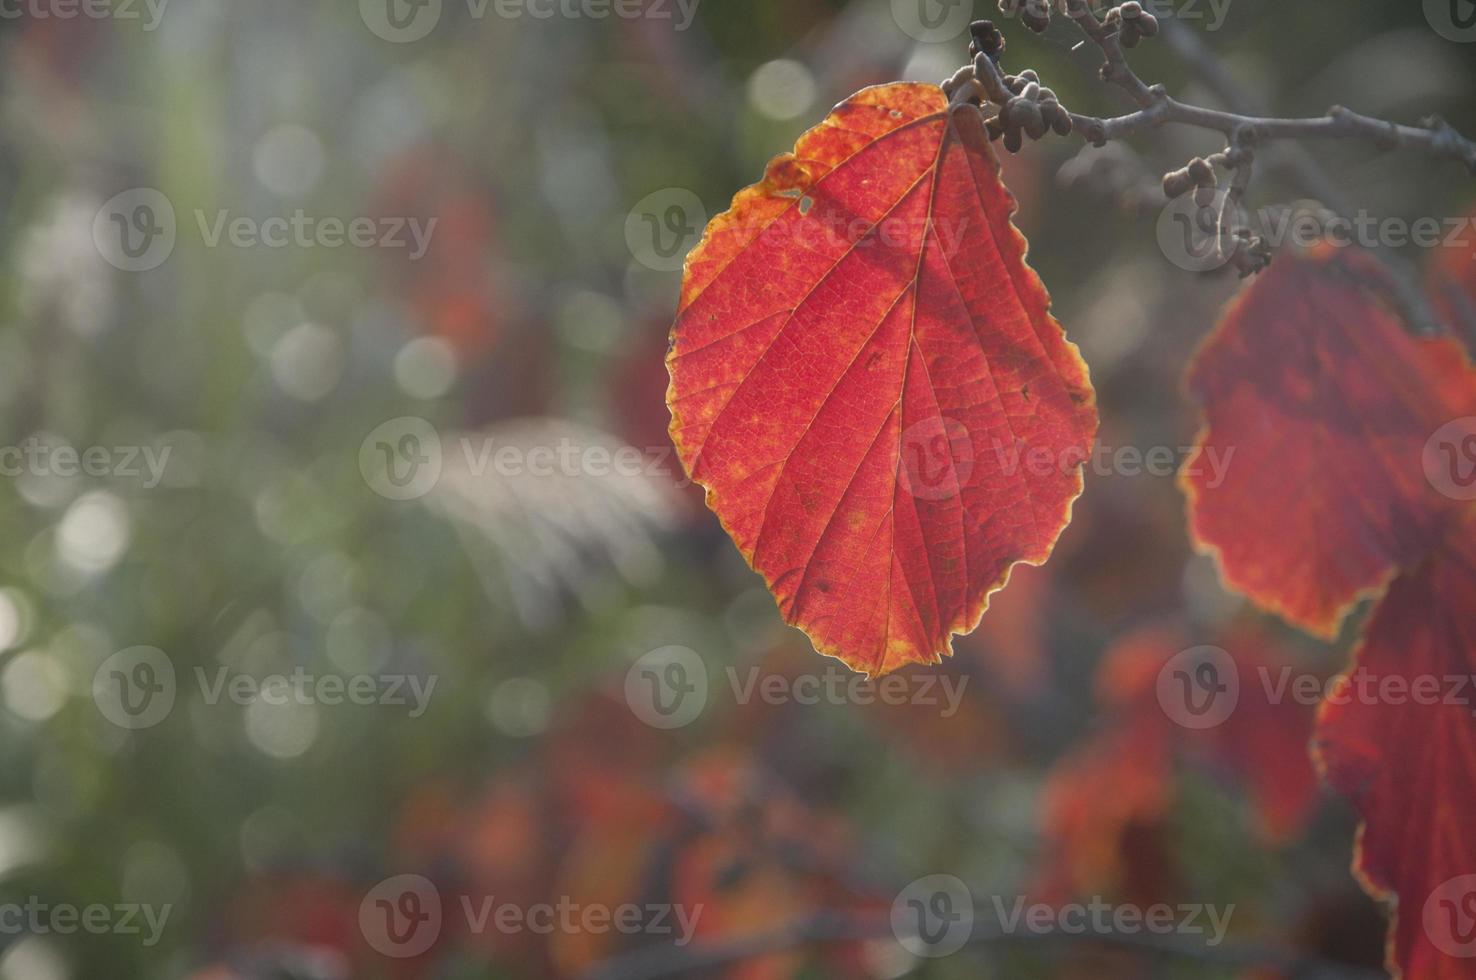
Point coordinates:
pixel 1309 480
pixel 1398 738
pixel 1108 805
pixel 1104 816
pixel 861 361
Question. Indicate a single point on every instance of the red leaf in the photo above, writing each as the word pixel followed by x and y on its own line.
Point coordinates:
pixel 1318 408
pixel 1104 815
pixel 1108 805
pixel 860 359
pixel 1409 765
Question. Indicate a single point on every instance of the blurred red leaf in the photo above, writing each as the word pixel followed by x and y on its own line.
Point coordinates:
pixel 603 868
pixel 302 907
pixel 451 288
pixel 1103 815
pixel 1107 805
pixel 742 893
pixel 861 360
pixel 1400 742
pixel 1319 407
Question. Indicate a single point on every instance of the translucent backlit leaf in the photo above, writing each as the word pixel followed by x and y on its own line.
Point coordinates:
pixel 866 378
pixel 1397 736
pixel 1322 410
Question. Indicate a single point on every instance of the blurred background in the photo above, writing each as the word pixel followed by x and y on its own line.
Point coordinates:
pixel 351 595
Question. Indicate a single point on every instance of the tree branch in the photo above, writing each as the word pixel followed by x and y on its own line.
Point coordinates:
pixel 1243 129
pixel 1435 136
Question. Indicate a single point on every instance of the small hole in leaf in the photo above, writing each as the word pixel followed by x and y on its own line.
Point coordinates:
pixel 896 113
pixel 806 203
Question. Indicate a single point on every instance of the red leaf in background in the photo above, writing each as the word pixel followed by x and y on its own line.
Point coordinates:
pixel 861 364
pixel 1103 817
pixel 308 908
pixel 605 867
pixel 1107 805
pixel 451 287
pixel 1406 756
pixel 1319 407
pixel 1260 744
pixel 743 894
pixel 286 920
pixel 745 857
